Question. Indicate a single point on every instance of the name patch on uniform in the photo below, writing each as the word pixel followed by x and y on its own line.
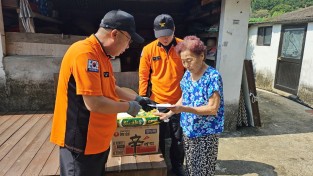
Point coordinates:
pixel 93 66
pixel 106 74
pixel 156 58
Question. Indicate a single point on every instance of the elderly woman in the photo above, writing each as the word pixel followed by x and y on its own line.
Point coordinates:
pixel 201 107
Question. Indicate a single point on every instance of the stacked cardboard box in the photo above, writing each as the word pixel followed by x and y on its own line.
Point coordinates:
pixel 134 136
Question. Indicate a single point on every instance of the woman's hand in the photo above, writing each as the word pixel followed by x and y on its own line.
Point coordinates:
pixel 163 116
pixel 176 109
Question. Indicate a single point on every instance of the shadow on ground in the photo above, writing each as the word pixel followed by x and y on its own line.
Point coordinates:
pixel 240 167
pixel 279 115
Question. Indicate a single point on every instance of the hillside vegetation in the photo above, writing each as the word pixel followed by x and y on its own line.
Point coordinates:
pixel 264 9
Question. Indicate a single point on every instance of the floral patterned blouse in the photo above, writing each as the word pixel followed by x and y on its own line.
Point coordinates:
pixel 197 93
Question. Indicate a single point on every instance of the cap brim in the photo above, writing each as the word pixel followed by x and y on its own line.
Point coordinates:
pixel 163 32
pixel 137 38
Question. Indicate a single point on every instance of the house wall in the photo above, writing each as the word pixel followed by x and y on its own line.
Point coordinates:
pixel 305 91
pixel 29 82
pixel 264 57
pixel 265 60
pixel 232 43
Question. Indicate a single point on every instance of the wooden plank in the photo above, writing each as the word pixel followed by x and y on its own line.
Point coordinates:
pixel 36 165
pixel 157 161
pixel 21 145
pixel 23 161
pixel 61 39
pixel 39 44
pixel 8 123
pixel 253 94
pixel 114 164
pixel 129 163
pixel 158 172
pixel 143 162
pixel 5 117
pixel 117 174
pixel 36 49
pixel 15 132
pixel 246 97
pixel 52 165
pixel 159 165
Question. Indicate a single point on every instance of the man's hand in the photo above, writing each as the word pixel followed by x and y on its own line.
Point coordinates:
pixel 144 101
pixel 134 108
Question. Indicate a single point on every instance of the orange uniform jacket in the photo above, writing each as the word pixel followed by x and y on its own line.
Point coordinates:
pixel 166 72
pixel 85 70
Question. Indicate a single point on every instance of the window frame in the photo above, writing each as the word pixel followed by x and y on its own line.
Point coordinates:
pixel 262 34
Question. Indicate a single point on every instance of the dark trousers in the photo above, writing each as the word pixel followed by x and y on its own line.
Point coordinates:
pixel 173 130
pixel 78 164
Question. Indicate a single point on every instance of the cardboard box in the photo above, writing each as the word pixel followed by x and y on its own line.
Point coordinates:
pixel 135 140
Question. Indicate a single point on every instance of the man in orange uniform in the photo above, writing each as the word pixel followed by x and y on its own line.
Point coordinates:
pixel 87 100
pixel 162 67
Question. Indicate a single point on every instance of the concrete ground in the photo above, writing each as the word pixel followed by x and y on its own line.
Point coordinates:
pixel 282 146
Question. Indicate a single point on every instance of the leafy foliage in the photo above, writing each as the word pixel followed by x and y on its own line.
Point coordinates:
pixel 256 20
pixel 281 9
pixel 263 13
pixel 263 9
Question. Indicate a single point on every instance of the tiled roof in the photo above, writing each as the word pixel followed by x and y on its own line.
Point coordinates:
pixel 303 15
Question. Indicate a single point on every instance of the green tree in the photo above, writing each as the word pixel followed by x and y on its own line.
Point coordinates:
pixel 265 4
pixel 281 9
pixel 276 7
pixel 270 4
pixel 263 13
pixel 299 3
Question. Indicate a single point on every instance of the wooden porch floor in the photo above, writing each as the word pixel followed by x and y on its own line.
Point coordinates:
pixel 25 149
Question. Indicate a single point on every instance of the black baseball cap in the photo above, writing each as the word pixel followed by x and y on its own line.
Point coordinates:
pixel 163 25
pixel 118 19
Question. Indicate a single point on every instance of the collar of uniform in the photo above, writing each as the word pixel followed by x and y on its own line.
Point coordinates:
pixel 173 43
pixel 109 56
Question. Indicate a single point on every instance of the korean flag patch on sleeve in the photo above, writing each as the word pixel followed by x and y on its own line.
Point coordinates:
pixel 93 66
